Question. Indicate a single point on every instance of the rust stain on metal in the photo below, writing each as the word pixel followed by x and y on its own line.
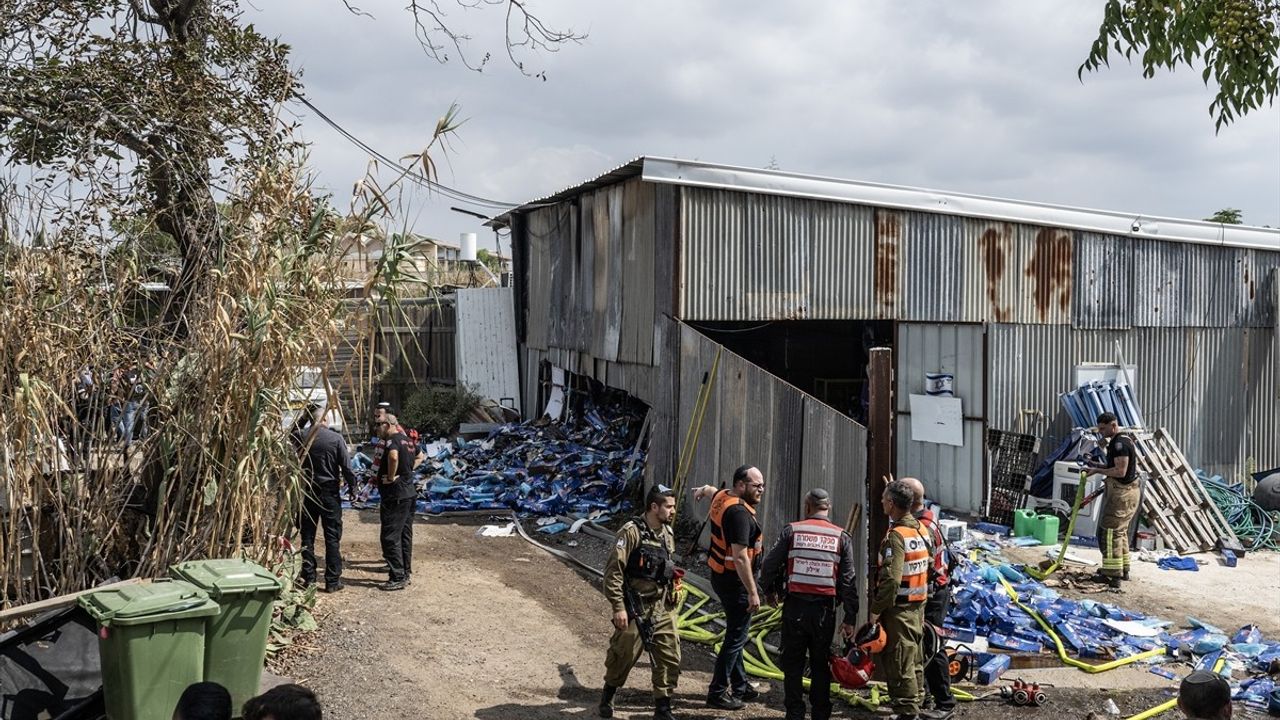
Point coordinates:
pixel 1050 271
pixel 1249 281
pixel 994 244
pixel 888 239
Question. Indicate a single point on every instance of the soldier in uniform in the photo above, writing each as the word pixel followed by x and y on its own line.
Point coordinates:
pixel 898 601
pixel 936 679
pixel 1120 504
pixel 641 583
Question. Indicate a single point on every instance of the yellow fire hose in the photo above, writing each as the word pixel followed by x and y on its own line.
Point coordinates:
pixel 1166 706
pixel 1066 539
pixel 757 660
pixel 1062 651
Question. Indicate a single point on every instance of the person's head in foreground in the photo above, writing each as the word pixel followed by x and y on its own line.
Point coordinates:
pixel 284 702
pixel 1205 695
pixel 203 701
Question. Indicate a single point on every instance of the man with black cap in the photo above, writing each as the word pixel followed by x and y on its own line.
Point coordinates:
pixel 1205 695
pixel 812 563
pixel 1120 504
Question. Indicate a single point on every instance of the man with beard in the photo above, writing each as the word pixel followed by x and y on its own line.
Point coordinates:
pixel 736 541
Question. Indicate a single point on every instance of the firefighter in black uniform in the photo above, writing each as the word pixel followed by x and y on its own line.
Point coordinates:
pixel 812 562
pixel 641 583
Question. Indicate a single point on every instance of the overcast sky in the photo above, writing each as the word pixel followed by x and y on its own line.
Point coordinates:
pixel 970 97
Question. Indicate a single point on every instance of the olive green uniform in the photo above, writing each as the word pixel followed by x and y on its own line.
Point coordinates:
pixel 625 647
pixel 903 624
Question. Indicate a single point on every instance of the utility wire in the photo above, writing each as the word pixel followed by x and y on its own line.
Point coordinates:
pixel 454 193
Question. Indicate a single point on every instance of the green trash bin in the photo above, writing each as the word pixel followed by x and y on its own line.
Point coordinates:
pixel 150 644
pixel 235 645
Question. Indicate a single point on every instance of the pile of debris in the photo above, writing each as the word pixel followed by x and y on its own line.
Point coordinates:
pixel 986 622
pixel 585 464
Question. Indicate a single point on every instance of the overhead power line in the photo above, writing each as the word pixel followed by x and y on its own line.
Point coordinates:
pixel 414 175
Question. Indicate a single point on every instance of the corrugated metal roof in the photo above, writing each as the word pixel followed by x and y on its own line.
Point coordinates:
pixel 692 173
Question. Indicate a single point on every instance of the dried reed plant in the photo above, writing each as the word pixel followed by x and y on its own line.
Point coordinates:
pixel 212 471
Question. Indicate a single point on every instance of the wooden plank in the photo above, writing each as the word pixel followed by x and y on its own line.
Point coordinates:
pixel 1215 513
pixel 61 601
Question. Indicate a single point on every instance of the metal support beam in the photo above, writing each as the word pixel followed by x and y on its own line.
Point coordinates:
pixel 879 443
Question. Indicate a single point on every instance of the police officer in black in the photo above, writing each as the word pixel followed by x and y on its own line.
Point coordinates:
pixel 324 464
pixel 641 583
pixel 812 563
pixel 398 497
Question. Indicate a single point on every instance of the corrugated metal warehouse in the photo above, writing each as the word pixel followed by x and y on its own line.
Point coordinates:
pixel 633 277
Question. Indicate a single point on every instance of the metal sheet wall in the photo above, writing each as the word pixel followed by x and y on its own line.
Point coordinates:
pixel 756 418
pixel 486 343
pixel 746 256
pixel 953 475
pixel 753 257
pixel 1213 388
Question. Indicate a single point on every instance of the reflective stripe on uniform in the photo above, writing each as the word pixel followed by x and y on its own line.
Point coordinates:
pixel 814 557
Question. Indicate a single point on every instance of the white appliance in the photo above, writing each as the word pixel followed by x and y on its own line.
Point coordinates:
pixel 1066 478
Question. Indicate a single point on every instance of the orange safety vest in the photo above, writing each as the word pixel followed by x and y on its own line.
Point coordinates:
pixel 813 560
pixel 720 557
pixel 939 547
pixel 915 565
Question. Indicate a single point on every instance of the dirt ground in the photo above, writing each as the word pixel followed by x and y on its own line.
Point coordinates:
pixel 1219 595
pixel 494 628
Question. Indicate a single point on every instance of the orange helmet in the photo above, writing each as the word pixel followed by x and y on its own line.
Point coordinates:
pixel 870 638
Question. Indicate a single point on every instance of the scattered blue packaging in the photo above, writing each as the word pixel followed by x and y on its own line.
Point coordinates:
pixel 991 670
pixel 992 528
pixel 1168 674
pixel 1247 634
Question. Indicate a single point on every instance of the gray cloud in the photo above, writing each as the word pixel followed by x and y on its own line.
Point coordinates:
pixel 980 98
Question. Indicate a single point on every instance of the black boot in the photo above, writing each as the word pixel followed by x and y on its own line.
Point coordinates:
pixel 606 701
pixel 662 709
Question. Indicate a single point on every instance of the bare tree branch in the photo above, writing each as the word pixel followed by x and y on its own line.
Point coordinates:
pixel 523 32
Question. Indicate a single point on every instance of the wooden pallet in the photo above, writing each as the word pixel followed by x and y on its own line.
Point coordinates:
pixel 1174 502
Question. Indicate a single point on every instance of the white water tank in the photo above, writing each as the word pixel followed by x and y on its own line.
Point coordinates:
pixel 468 243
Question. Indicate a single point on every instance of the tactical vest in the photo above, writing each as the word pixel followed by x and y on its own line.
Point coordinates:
pixel 813 561
pixel 915 565
pixel 720 557
pixel 651 559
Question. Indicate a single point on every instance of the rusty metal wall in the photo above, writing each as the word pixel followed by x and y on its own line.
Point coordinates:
pixel 1215 389
pixel 953 475
pixel 755 257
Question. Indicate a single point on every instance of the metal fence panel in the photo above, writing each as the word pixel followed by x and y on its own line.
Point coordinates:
pixel 486 343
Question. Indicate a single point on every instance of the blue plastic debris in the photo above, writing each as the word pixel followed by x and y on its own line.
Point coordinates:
pixel 1228 558
pixel 992 669
pixel 583 465
pixel 553 528
pixel 1176 562
pixel 1199 624
pixel 992 528
pixel 1168 674
pixel 1247 634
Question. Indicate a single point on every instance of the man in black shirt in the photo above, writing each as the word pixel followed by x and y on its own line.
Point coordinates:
pixel 736 541
pixel 325 463
pixel 1120 505
pixel 399 496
